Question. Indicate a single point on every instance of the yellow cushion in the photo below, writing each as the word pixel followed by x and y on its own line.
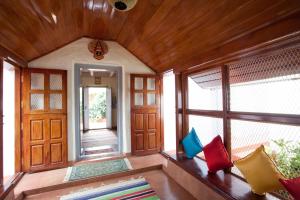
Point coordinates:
pixel 260 171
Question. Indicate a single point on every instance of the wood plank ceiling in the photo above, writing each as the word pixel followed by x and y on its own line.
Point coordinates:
pixel 163 34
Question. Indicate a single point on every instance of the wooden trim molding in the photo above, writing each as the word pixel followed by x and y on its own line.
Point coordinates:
pixel 18 149
pixel 208 113
pixel 265 117
pixel 7 188
pixel 12 58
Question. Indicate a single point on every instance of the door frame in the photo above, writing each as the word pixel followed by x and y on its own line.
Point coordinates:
pixel 119 73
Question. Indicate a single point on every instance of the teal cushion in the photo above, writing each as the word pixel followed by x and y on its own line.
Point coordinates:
pixel 191 144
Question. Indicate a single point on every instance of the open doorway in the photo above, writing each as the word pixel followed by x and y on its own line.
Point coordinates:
pixel 96 107
pixel 99 111
pixel 11 121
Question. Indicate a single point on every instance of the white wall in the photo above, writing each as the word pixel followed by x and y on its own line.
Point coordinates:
pixel 77 52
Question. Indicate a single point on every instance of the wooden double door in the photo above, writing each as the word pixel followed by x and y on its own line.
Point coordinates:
pixel 44 120
pixel 145 114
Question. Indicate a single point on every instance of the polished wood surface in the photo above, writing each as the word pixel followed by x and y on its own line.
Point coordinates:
pixel 18 146
pixel 44 130
pixel 227 185
pixel 145 118
pixel 163 34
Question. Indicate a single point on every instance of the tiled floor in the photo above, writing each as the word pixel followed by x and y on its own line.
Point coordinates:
pixel 165 187
pixel 54 177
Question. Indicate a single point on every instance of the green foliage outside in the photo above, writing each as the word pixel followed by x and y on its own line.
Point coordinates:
pixel 98 107
pixel 288 157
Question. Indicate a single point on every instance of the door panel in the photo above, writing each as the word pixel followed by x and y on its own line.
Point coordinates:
pixel 37 155
pixel 56 129
pixel 44 119
pixel 145 114
pixel 56 152
pixel 36 129
pixel 139 122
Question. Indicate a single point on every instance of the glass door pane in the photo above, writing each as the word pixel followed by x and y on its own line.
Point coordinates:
pixel 37 101
pixel 150 83
pixel 55 82
pixel 138 83
pixel 37 81
pixel 151 99
pixel 55 101
pixel 138 99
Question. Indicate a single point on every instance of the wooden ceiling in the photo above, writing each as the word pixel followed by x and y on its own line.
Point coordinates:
pixel 163 34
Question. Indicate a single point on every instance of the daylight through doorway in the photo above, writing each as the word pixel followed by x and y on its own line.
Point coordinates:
pixel 98 112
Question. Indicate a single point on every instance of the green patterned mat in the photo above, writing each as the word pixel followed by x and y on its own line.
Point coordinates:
pixel 97 169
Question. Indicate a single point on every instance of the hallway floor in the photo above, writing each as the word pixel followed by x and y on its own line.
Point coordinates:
pixel 99 141
pixel 56 177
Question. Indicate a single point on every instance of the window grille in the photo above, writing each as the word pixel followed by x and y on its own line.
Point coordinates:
pixel 267 84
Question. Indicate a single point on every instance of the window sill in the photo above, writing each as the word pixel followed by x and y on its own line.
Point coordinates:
pixel 225 184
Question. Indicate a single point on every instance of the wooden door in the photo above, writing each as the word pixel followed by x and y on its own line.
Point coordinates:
pixel 145 114
pixel 44 119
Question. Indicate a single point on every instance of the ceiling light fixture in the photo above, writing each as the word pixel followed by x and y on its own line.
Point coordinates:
pixel 122 5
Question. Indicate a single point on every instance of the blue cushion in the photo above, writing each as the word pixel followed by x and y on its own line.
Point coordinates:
pixel 191 143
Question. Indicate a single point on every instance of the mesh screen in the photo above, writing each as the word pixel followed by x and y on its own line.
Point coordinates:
pixel 282 143
pixel 37 101
pixel 55 101
pixel 205 90
pixel 37 81
pixel 55 82
pixel 267 84
pixel 206 128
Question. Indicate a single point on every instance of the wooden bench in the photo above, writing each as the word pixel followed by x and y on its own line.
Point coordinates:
pixel 228 185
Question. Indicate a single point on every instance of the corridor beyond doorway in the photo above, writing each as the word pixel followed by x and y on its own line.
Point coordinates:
pixel 98 112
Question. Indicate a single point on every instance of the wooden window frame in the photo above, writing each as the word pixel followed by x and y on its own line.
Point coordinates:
pixel 226 114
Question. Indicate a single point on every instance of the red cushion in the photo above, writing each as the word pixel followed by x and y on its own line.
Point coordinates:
pixel 292 186
pixel 216 155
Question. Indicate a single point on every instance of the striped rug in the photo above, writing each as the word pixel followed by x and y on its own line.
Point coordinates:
pixel 137 189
